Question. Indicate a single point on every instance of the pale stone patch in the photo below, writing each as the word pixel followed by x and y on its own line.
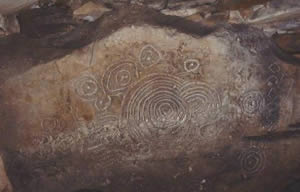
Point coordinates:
pixel 90 11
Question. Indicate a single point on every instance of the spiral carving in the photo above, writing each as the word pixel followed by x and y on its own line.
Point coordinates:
pixel 149 56
pixel 154 107
pixel 252 102
pixel 118 77
pixel 253 161
pixel 200 97
pixel 87 87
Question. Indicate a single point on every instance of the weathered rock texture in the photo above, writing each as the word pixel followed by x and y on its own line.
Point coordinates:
pixel 150 103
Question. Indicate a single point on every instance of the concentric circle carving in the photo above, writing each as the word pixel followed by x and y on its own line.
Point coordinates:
pixel 118 77
pixel 252 102
pixel 87 87
pixel 191 65
pixel 253 161
pixel 200 97
pixel 154 107
pixel 149 56
pixel 204 103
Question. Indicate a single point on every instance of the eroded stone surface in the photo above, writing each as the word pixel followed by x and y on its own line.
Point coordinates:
pixel 151 108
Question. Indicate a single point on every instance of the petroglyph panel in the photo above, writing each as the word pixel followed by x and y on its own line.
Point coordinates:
pixel 146 94
pixel 189 100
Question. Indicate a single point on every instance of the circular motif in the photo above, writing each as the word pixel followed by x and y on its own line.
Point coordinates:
pixel 50 123
pixel 53 124
pixel 118 77
pixel 252 161
pixel 191 65
pixel 252 102
pixel 102 104
pixel 203 101
pixel 149 56
pixel 123 78
pixel 201 97
pixel 154 107
pixel 87 87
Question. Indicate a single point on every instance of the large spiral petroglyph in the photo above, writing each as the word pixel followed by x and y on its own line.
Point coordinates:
pixel 118 77
pixel 204 103
pixel 154 107
pixel 201 98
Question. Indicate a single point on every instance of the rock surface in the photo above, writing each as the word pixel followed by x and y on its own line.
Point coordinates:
pixel 150 103
pixel 134 100
pixel 90 11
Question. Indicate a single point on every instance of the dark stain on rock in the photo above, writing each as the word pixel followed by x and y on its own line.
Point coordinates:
pixel 255 40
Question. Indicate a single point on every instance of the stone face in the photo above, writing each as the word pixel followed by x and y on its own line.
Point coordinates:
pixel 152 106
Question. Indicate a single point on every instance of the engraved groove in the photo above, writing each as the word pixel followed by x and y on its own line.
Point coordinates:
pixel 154 107
pixel 87 87
pixel 149 56
pixel 102 104
pixel 252 161
pixel 252 102
pixel 191 65
pixel 200 97
pixel 118 77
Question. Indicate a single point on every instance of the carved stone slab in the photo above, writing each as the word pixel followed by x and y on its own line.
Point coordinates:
pixel 150 108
